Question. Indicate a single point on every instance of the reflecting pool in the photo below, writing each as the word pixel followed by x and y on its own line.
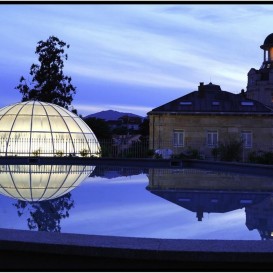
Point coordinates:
pixel 136 202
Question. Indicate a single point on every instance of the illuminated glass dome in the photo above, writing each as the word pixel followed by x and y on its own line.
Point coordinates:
pixel 41 182
pixel 36 128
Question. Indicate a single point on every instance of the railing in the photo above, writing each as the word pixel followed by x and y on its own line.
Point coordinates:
pixel 121 148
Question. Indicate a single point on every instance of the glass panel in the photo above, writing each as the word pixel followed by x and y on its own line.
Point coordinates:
pixel 247 139
pixel 51 111
pixel 63 112
pixel 70 180
pixel 26 194
pixel 91 137
pixel 178 138
pixel 56 180
pixel 61 191
pixel 57 124
pixel 14 110
pixel 37 194
pixel 48 193
pixel 80 179
pixel 4 135
pixel 80 143
pixel 39 110
pixel 40 123
pixel 22 123
pixel 39 180
pixel 2 191
pixel 212 138
pixel 5 109
pixel 18 143
pixel 6 122
pixel 62 143
pixel 72 125
pixel 85 128
pixel 27 110
pixel 14 193
pixel 215 138
pixel 6 181
pixel 41 143
pixel 22 180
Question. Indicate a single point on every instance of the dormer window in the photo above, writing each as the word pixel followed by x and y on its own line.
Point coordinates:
pixel 185 103
pixel 247 103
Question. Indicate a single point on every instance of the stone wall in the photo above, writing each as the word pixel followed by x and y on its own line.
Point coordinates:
pixel 195 129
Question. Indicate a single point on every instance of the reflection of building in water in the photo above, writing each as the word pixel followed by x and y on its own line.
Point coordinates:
pixel 260 217
pixel 116 171
pixel 211 192
pixel 193 179
pixel 41 182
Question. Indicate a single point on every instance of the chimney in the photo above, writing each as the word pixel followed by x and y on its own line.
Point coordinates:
pixel 201 90
pixel 201 87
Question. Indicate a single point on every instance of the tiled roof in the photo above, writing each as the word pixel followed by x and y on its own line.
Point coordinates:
pixel 210 98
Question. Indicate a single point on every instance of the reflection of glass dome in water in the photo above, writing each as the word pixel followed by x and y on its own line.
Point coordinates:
pixel 44 129
pixel 41 182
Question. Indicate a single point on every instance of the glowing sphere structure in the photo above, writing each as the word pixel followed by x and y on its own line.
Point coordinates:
pixel 35 128
pixel 41 182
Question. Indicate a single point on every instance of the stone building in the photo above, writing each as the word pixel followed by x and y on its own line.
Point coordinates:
pixel 260 82
pixel 204 118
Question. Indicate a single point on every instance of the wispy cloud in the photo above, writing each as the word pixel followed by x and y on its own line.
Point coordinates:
pixel 161 46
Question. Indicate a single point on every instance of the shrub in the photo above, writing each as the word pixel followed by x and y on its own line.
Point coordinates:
pixel 37 152
pixel 230 150
pixel 59 153
pixel 261 157
pixel 84 152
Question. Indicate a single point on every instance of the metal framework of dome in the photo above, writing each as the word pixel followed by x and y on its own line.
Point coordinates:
pixel 35 128
pixel 41 182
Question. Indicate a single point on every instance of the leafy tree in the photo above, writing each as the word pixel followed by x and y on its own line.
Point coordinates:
pixel 49 84
pixel 46 215
pixel 144 127
pixel 100 128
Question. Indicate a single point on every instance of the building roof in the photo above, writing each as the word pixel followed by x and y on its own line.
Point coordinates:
pixel 268 42
pixel 211 99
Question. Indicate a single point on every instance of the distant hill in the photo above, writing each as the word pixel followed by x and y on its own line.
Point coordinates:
pixel 110 115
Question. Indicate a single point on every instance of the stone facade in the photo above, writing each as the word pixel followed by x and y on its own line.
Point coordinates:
pixel 197 126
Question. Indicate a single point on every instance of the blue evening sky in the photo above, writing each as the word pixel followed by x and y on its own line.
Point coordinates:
pixel 135 57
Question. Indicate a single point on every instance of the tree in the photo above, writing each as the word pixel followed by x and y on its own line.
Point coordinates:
pixel 49 84
pixel 100 128
pixel 46 215
pixel 144 127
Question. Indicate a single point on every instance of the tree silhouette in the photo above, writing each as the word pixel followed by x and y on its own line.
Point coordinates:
pixel 46 215
pixel 100 128
pixel 49 84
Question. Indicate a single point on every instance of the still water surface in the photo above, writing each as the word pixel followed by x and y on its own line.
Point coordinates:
pixel 152 203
